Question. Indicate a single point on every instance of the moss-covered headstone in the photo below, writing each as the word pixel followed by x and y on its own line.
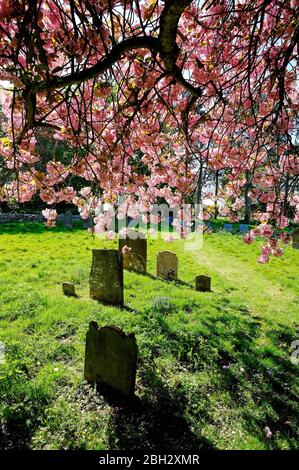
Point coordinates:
pixel 106 277
pixel 167 265
pixel 203 283
pixel 135 259
pixel 111 358
pixel 69 289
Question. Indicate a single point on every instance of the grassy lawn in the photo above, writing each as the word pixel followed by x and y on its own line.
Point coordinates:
pixel 214 368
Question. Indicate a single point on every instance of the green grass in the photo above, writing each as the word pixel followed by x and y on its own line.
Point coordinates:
pixel 214 368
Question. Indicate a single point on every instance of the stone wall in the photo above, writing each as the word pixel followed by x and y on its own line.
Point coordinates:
pixel 12 217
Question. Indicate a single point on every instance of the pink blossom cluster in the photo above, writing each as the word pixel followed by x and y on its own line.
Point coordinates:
pixel 138 130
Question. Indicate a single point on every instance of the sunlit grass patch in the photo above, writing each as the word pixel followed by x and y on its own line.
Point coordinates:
pixel 214 368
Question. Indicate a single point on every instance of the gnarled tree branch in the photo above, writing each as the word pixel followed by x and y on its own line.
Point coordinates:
pixel 165 45
pixel 138 42
pixel 168 47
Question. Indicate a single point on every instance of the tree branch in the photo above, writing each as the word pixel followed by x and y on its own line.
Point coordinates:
pixel 165 44
pixel 104 64
pixel 169 49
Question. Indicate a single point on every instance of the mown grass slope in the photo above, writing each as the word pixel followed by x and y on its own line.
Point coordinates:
pixel 214 368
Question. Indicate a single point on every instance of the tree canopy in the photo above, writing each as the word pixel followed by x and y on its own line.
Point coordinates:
pixel 162 85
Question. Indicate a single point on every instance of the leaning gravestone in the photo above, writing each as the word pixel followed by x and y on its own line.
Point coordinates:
pixel 203 283
pixel 111 358
pixel 134 260
pixel 296 239
pixel 167 265
pixel 68 219
pixel 106 277
pixel 69 289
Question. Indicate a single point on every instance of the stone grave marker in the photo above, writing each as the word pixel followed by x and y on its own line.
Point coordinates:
pixel 69 289
pixel 228 227
pixel 296 239
pixel 203 283
pixel 134 260
pixel 111 358
pixel 167 265
pixel 106 277
pixel 244 228
pixel 68 219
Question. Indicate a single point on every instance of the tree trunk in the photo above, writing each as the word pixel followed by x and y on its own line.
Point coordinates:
pixel 285 202
pixel 247 199
pixel 216 194
pixel 199 185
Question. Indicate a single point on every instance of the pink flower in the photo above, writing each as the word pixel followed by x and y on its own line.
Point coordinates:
pixel 283 222
pixel 99 228
pixel 266 249
pixel 85 192
pixel 284 238
pixel 50 215
pixel 265 230
pixel 263 259
pixel 237 205
pixel 268 432
pixel 277 252
pixel 206 216
pixel 224 211
pixel 248 238
pixel 126 249
pixel 110 235
pixel 47 195
pixel 234 218
pixel 85 213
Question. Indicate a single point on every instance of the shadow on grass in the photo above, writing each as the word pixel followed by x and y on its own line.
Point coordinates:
pixel 229 361
pixel 257 375
pixel 155 422
pixel 174 282
pixel 21 420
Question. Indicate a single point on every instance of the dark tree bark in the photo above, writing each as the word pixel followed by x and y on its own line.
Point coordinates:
pixel 247 199
pixel 216 193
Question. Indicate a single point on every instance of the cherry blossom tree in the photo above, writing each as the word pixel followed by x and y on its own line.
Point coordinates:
pixel 173 82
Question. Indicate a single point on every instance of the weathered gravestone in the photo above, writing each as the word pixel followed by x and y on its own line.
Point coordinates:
pixel 296 239
pixel 203 283
pixel 111 358
pixel 136 258
pixel 167 265
pixel 69 289
pixel 106 277
pixel 68 219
